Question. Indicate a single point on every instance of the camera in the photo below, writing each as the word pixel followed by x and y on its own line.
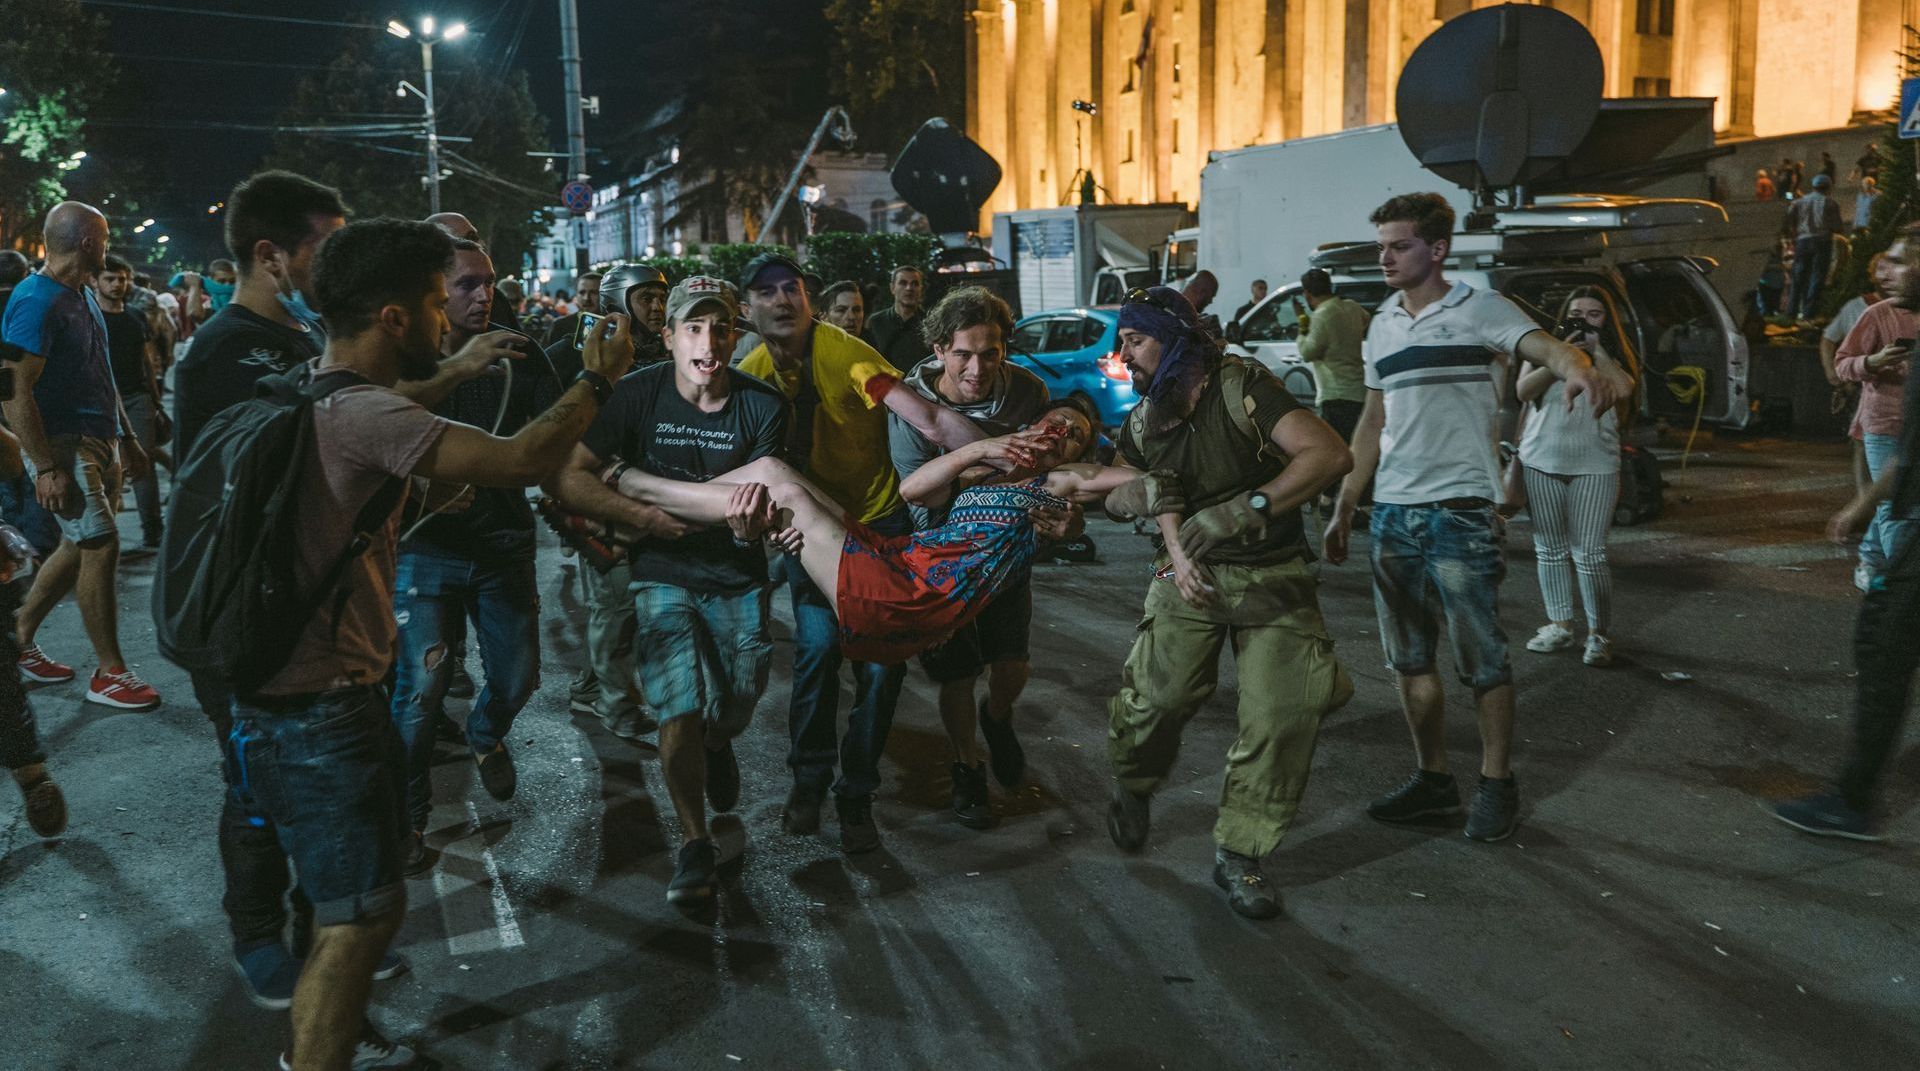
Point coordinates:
pixel 1086 106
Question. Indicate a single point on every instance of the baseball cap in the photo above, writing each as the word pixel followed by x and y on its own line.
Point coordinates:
pixel 697 290
pixel 763 261
pixel 1821 182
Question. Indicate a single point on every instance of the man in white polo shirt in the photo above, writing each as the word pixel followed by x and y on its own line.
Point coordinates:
pixel 1436 354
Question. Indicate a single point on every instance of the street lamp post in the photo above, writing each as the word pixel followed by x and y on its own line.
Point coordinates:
pixel 429 34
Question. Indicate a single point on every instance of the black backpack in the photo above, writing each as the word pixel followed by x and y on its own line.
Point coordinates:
pixel 227 602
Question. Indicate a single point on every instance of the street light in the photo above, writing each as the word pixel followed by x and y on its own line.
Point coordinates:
pixel 163 239
pixel 140 228
pixel 148 222
pixel 430 34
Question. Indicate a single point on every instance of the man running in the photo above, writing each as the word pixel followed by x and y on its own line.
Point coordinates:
pixel 700 600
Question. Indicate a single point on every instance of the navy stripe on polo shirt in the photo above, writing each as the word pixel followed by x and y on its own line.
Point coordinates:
pixel 1438 376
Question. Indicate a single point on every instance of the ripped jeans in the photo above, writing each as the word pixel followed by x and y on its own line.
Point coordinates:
pixel 433 591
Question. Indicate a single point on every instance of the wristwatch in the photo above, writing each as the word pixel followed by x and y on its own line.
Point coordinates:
pixel 602 386
pixel 1260 502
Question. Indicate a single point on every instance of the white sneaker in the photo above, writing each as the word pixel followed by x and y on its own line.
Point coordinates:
pixel 1863 576
pixel 1599 651
pixel 373 1053
pixel 1550 638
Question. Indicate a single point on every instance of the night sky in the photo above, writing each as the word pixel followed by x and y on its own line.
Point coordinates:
pixel 191 78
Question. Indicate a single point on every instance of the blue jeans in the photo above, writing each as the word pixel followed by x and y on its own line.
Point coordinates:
pixel 327 771
pixel 813 716
pixel 21 509
pixel 252 862
pixel 1429 564
pixel 434 593
pixel 1810 258
pixel 1885 534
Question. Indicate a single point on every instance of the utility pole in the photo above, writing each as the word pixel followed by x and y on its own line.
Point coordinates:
pixel 576 122
pixel 433 130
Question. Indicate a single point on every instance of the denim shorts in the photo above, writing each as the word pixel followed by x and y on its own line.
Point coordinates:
pixel 95 465
pixel 705 654
pixel 1431 564
pixel 1000 634
pixel 328 771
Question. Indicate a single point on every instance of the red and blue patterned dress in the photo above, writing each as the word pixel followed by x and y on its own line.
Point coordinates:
pixel 899 596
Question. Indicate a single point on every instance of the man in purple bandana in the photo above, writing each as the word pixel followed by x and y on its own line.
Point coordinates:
pixel 1230 457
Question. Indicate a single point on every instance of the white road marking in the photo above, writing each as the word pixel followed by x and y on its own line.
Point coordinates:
pixel 505 931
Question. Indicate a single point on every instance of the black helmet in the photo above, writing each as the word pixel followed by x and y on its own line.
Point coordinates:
pixel 622 278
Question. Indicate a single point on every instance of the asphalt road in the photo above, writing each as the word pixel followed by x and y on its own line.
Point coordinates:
pixel 1647 914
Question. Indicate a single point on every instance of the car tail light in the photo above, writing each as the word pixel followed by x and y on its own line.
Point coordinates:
pixel 1114 368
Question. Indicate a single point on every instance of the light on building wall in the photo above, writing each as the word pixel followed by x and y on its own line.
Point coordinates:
pixel 651 251
pixel 679 248
pixel 545 275
pixel 811 195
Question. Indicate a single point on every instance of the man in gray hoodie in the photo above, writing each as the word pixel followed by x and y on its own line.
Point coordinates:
pixel 969 373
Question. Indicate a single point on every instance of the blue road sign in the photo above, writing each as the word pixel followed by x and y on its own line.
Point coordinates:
pixel 1910 108
pixel 577 196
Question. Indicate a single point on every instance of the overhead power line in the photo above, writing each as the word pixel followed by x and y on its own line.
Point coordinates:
pixel 211 61
pixel 166 9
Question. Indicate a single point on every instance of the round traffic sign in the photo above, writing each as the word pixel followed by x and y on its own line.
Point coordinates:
pixel 577 196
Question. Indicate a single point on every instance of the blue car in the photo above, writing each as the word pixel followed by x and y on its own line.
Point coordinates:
pixel 1077 351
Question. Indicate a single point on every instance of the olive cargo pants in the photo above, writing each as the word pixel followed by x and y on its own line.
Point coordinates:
pixel 1289 681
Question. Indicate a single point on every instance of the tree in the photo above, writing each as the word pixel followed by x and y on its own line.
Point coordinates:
pixel 494 182
pixel 1897 205
pixel 51 67
pixel 897 63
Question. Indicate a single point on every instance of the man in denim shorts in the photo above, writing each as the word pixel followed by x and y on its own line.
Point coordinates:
pixel 1435 356
pixel 700 599
pixel 316 747
pixel 75 435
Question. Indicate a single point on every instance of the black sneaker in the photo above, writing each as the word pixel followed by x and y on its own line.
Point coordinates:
pixel 1495 810
pixel 1424 795
pixel 801 815
pixel 693 875
pixel 418 858
pixel 858 834
pixel 268 971
pixel 1826 815
pixel 970 796
pixel 723 778
pixel 1128 819
pixel 1246 886
pixel 496 772
pixel 1004 753
pixel 459 685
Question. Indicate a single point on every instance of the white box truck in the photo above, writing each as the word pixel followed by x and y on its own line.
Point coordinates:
pixel 1083 254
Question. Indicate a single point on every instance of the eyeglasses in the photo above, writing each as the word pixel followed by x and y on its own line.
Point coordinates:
pixel 1140 295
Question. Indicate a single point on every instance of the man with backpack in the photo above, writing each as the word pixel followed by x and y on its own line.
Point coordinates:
pixel 1228 448
pixel 281 541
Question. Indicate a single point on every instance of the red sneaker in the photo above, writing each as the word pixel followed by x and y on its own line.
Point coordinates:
pixel 38 668
pixel 122 690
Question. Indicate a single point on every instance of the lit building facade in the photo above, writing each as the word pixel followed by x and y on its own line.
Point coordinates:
pixel 1173 80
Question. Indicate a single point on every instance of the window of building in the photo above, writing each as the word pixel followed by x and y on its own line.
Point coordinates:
pixel 1652 87
pixel 1654 18
pixel 1126 7
pixel 1127 159
pixel 1176 63
pixel 1176 135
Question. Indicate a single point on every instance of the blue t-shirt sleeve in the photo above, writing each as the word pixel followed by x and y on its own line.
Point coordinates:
pixel 29 323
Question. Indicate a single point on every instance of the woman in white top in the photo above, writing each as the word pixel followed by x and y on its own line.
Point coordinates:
pixel 1571 463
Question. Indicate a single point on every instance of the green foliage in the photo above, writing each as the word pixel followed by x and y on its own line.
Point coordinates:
pixel 51 67
pixel 675 268
pixel 730 259
pixel 866 258
pixel 501 189
pixel 897 63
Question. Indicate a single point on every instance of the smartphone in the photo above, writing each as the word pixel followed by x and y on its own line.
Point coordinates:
pixel 588 324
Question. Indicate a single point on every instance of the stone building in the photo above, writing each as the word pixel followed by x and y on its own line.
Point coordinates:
pixel 1173 80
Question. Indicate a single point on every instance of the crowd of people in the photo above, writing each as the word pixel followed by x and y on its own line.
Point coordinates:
pixel 895 471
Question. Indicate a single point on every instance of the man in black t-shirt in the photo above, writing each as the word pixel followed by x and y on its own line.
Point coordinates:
pixel 700 595
pixel 129 346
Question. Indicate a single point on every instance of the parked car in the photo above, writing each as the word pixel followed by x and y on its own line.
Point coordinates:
pixel 1077 351
pixel 1667 315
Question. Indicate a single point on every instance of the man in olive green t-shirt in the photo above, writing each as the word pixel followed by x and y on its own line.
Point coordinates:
pixel 1330 341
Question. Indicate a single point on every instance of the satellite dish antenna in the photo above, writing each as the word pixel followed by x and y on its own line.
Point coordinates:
pixel 946 176
pixel 1499 96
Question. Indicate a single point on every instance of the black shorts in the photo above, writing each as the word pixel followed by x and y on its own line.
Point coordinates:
pixel 999 634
